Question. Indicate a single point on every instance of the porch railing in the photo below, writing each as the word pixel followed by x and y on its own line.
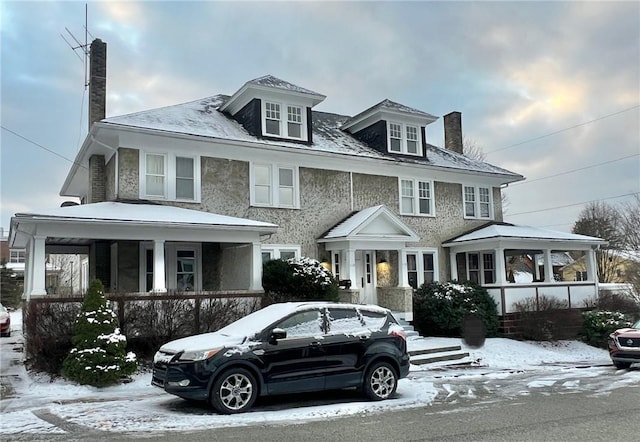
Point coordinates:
pixel 575 294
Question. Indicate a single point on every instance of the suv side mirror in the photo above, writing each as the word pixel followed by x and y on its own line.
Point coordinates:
pixel 277 333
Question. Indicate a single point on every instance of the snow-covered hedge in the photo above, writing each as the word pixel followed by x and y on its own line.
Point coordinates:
pixel 440 309
pixel 298 279
pixel 599 324
pixel 99 356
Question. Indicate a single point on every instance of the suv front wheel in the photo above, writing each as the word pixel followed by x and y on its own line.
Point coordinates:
pixel 380 382
pixel 234 391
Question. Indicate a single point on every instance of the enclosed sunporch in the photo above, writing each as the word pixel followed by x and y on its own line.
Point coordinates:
pixel 486 256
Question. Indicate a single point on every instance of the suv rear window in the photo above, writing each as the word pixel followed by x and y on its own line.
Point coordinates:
pixel 354 321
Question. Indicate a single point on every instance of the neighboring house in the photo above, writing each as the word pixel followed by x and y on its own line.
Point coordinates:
pixel 534 266
pixel 623 267
pixel 14 260
pixel 197 195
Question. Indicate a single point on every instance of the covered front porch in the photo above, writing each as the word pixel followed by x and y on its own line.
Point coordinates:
pixel 487 256
pixel 368 253
pixel 135 247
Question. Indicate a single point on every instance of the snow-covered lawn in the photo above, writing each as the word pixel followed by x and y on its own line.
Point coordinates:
pixel 137 406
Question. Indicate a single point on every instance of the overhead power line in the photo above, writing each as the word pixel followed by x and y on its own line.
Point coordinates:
pixel 564 130
pixel 570 205
pixel 42 147
pixel 574 170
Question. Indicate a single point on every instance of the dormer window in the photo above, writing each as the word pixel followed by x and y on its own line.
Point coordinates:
pixel 404 138
pixel 273 120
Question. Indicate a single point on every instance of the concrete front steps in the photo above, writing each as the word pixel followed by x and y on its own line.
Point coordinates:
pixel 421 353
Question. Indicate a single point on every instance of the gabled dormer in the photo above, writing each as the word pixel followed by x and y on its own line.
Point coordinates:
pixel 271 108
pixel 393 128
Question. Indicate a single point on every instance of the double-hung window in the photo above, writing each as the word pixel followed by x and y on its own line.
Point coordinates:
pixel 274 186
pixel 404 138
pixel 280 251
pixel 17 256
pixel 416 197
pixel 477 202
pixel 481 268
pixel 275 124
pixel 421 267
pixel 169 176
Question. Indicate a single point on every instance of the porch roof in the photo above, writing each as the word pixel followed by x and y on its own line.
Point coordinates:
pixel 375 223
pixel 528 234
pixel 97 217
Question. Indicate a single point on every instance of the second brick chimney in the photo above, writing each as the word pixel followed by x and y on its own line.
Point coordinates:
pixel 453 132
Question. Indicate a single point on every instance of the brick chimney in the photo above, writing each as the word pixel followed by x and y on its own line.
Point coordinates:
pixel 453 132
pixel 97 111
pixel 97 81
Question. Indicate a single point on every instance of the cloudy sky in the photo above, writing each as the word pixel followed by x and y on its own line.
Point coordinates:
pixel 548 90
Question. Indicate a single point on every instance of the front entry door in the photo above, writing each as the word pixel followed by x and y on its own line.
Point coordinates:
pixel 365 272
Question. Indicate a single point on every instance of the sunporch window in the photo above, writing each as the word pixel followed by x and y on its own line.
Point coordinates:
pixel 481 268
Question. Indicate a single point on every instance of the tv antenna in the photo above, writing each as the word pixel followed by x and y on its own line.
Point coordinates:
pixel 80 47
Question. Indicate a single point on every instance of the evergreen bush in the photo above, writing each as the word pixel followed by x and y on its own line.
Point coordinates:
pixel 301 279
pixel 599 324
pixel 440 309
pixel 99 355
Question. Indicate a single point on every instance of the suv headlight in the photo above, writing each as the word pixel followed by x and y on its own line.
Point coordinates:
pixel 199 355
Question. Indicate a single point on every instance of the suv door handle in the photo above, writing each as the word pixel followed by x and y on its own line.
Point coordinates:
pixel 315 344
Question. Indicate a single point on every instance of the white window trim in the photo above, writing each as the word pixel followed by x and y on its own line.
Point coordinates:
pixel 416 198
pixel 284 119
pixel 170 256
pixel 481 269
pixel 275 188
pixel 276 249
pixel 403 142
pixel 420 263
pixel 170 177
pixel 476 190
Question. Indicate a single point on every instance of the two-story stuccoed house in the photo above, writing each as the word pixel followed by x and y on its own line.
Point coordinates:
pixel 196 196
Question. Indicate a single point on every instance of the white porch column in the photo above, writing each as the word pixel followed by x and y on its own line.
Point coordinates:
pixel 454 265
pixel 159 279
pixel 536 268
pixel 403 277
pixel 38 267
pixel 256 267
pixel 501 267
pixel 351 268
pixel 592 271
pixel 548 266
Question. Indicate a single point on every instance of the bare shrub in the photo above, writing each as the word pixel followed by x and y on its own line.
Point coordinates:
pixel 48 329
pixel 541 318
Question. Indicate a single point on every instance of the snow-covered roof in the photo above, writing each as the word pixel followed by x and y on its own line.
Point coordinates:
pixel 392 106
pixel 120 212
pixel 511 231
pixel 277 83
pixel 376 222
pixel 202 118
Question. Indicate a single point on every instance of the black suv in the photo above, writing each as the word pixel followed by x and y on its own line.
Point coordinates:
pixel 287 348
